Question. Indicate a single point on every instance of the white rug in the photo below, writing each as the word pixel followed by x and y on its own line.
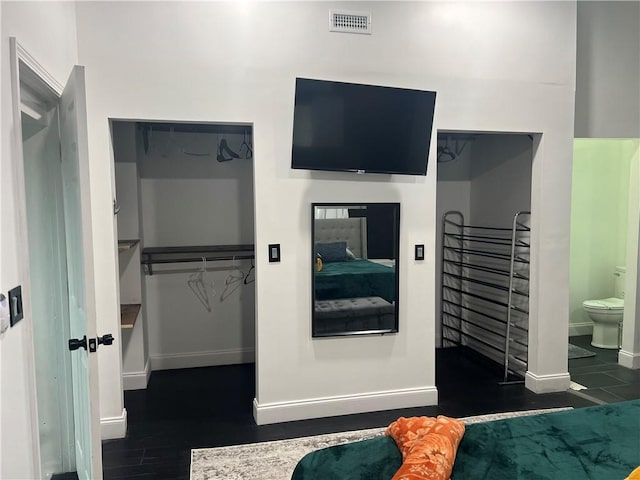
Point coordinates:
pixel 276 460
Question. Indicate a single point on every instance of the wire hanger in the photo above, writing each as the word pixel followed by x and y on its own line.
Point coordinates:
pixel 198 283
pixel 233 281
pixel 246 278
pixel 447 151
pixel 248 151
pixel 224 152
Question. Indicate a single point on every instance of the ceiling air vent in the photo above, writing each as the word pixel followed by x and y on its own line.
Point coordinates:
pixel 349 22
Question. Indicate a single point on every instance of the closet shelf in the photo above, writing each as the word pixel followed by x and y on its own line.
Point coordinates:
pixel 211 253
pixel 129 314
pixel 124 245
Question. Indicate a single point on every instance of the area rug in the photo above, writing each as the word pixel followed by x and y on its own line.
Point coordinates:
pixel 579 352
pixel 277 460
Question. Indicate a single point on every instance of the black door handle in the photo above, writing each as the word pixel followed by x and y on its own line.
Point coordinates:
pixel 105 339
pixel 76 343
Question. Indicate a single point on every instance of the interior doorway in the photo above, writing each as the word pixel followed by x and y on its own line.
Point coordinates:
pixel 483 244
pixel 52 184
pixel 185 228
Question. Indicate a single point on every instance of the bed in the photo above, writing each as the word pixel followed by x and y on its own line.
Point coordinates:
pixel 352 292
pixel 347 272
pixel 596 443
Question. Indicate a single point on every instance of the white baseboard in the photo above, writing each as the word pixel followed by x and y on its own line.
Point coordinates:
pixel 202 359
pixel 343 405
pixel 114 427
pixel 583 328
pixel 557 382
pixel 628 359
pixel 137 380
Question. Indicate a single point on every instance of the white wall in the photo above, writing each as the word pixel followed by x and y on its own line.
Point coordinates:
pixel 501 179
pixel 629 355
pixel 189 198
pixel 599 215
pixel 608 70
pixel 237 62
pixel 453 194
pixel 48 32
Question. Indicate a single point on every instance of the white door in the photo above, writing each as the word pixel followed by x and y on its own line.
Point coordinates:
pixel 72 190
pixel 82 308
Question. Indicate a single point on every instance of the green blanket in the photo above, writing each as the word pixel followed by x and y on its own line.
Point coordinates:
pixel 595 443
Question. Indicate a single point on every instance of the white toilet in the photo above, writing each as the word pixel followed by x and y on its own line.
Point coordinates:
pixel 607 315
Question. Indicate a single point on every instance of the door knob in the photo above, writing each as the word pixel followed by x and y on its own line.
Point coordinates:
pixel 76 343
pixel 105 339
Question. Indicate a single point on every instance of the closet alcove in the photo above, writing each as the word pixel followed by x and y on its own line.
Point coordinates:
pixel 482 297
pixel 185 229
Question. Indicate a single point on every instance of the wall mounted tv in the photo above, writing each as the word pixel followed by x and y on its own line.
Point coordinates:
pixel 361 128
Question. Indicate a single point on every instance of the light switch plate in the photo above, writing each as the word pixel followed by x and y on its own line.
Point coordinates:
pixel 274 252
pixel 15 305
pixel 419 252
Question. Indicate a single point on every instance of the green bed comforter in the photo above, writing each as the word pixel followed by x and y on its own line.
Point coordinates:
pixel 355 279
pixel 595 443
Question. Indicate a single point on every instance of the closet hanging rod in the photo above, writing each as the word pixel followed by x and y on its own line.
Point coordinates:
pixel 482 253
pixel 504 288
pixel 483 268
pixel 185 254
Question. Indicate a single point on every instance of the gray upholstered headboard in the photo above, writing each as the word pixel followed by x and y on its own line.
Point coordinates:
pixel 351 230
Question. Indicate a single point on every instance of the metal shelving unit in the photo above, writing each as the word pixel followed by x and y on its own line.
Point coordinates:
pixel 485 289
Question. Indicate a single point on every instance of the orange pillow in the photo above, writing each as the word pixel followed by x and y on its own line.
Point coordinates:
pixel 635 475
pixel 428 446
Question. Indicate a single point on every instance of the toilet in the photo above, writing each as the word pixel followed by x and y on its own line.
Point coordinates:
pixel 607 315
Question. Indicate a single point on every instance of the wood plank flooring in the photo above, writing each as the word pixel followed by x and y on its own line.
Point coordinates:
pixel 208 407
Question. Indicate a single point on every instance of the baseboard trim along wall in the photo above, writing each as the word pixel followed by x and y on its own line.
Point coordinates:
pixel 202 359
pixel 114 427
pixel 343 405
pixel 583 328
pixel 558 382
pixel 628 359
pixel 137 380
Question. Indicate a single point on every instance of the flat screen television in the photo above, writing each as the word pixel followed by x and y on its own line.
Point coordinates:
pixel 361 128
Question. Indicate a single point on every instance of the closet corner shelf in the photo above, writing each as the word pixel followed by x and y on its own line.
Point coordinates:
pixel 129 314
pixel 124 245
pixel 210 253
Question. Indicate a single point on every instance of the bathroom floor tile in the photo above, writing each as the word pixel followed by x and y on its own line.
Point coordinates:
pixel 596 380
pixel 626 392
pixel 603 395
pixel 625 374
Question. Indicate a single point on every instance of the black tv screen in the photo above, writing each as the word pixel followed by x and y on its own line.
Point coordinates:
pixel 361 128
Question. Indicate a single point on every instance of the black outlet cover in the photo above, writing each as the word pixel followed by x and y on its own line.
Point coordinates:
pixel 15 305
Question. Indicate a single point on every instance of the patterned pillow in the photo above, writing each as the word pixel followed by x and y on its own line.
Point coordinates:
pixel 428 446
pixel 332 252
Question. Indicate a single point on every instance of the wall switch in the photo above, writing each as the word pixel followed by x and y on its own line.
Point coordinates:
pixel 4 313
pixel 419 254
pixel 274 252
pixel 15 305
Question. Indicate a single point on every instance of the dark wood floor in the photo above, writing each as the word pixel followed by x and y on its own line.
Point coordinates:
pixel 208 407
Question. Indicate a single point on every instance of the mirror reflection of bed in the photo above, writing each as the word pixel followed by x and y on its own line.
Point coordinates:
pixel 355 282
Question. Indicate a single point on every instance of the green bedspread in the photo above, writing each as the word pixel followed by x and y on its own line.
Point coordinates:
pixel 596 443
pixel 355 279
